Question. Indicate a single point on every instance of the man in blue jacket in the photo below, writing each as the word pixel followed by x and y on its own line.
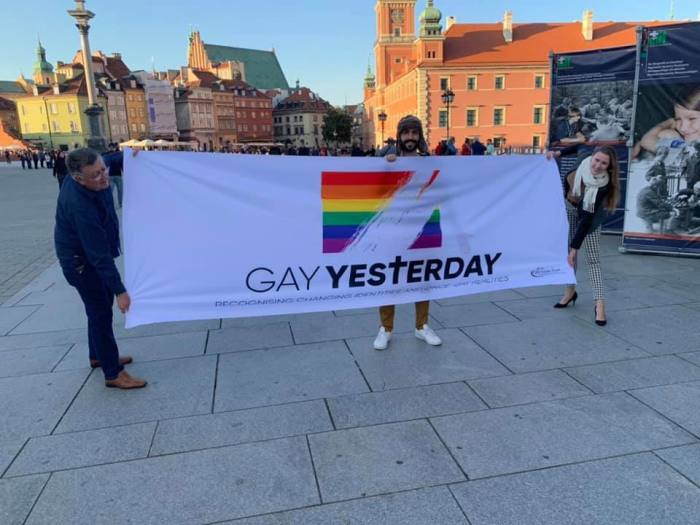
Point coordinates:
pixel 87 241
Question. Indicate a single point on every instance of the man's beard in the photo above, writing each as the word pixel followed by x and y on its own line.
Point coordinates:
pixel 409 145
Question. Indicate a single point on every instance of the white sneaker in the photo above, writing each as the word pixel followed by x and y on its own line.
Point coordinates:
pixel 427 335
pixel 381 342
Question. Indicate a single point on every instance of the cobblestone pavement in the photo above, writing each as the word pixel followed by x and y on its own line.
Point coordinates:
pixel 27 205
pixel 525 415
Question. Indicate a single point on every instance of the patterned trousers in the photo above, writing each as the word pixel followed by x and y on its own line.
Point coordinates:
pixel 591 244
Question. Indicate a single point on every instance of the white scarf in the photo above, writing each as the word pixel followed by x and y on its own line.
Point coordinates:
pixel 591 182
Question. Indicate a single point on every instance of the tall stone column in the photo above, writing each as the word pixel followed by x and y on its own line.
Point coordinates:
pixel 94 111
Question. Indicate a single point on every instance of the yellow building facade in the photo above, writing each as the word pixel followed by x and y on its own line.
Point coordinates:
pixel 55 117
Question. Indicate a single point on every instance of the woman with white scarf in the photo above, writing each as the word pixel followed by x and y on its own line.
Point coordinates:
pixel 592 191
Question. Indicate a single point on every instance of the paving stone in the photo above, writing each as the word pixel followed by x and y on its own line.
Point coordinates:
pixel 8 450
pixel 660 330
pixel 374 460
pixel 40 283
pixel 411 362
pixel 233 428
pixel 685 276
pixel 543 307
pixel 55 294
pixel 196 487
pixel 142 349
pixel 551 290
pixel 622 491
pixel 32 405
pixel 31 361
pixel 58 315
pixel 312 329
pixel 484 297
pixel 242 322
pixel 646 265
pixel 679 403
pixel 83 449
pixel 11 317
pixel 693 357
pixel 541 344
pixel 176 388
pixel 635 373
pixel 471 315
pixel 527 388
pixel 179 327
pixel 61 337
pixel 17 497
pixel 689 291
pixel 684 459
pixel 632 298
pixel 418 507
pixel 243 338
pixel 554 433
pixel 284 375
pixel 403 404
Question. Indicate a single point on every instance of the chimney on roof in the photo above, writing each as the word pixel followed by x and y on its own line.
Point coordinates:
pixel 451 20
pixel 587 25
pixel 118 56
pixel 56 89
pixel 508 26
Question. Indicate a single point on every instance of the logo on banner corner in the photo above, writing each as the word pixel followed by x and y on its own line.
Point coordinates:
pixel 351 201
pixel 544 271
pixel 564 63
pixel 658 38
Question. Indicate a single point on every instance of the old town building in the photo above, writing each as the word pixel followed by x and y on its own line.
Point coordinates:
pixel 136 111
pixel 109 74
pixel 54 116
pixel 253 112
pixel 498 72
pixel 194 109
pixel 298 118
pixel 260 69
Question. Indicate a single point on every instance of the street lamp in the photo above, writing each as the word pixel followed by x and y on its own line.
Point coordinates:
pixel 382 118
pixel 448 97
pixel 48 122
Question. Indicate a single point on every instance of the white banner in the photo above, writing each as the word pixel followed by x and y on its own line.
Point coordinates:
pixel 214 235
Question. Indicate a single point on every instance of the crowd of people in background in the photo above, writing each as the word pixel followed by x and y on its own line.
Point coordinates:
pixel 39 158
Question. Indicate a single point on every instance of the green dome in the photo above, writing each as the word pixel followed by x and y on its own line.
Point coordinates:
pixel 431 13
pixel 41 63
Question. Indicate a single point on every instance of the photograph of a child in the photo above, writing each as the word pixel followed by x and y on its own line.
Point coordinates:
pixel 664 179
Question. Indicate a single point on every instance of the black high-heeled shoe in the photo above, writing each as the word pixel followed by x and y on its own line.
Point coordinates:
pixel 595 315
pixel 571 300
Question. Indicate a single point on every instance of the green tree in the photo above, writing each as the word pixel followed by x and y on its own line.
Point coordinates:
pixel 337 126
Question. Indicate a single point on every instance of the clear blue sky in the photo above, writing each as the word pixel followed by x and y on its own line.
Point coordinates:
pixel 323 43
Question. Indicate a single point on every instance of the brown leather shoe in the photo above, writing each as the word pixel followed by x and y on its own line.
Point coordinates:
pixel 125 381
pixel 126 360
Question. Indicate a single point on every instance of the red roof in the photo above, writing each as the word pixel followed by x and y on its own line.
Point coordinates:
pixel 117 68
pixel 203 78
pixel 9 141
pixel 484 43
